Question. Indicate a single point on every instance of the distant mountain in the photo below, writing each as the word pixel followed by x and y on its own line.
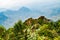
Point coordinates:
pixel 55 11
pixel 9 17
pixel 24 9
pixel 14 16
pixel 20 11
pixel 2 18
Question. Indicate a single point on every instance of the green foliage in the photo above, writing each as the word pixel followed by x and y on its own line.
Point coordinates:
pixel 32 29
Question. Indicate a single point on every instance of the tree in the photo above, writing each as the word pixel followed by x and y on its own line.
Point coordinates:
pixel 19 28
pixel 42 20
pixel 2 31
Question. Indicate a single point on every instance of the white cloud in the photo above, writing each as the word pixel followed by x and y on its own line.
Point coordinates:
pixel 8 4
pixel 55 18
pixel 13 4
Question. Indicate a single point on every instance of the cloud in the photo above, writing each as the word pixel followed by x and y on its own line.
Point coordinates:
pixel 14 4
pixel 40 7
pixel 55 18
pixel 11 3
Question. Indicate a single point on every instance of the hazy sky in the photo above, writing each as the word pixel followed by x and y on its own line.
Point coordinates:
pixel 14 4
pixel 49 8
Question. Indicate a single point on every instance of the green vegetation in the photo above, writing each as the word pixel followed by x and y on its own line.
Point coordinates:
pixel 32 29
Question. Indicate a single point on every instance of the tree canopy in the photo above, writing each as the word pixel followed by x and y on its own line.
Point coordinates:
pixel 32 29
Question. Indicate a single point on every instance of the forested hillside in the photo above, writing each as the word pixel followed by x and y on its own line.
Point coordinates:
pixel 32 29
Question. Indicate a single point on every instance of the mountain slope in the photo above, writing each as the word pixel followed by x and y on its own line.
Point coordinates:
pixel 25 13
pixel 3 18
